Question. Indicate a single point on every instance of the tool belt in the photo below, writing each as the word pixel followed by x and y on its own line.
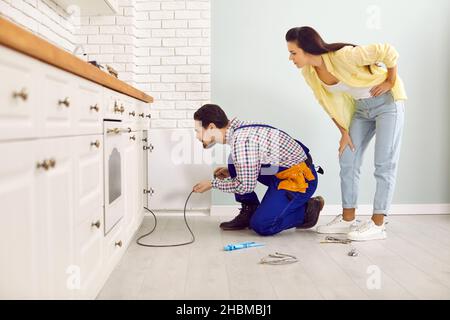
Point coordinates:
pixel 294 178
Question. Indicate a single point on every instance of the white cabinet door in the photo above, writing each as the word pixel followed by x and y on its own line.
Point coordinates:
pixel 132 152
pixel 58 273
pixel 88 161
pixel 19 216
pixel 19 95
pixel 88 188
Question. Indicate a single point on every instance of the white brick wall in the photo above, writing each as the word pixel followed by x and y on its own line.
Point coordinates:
pixel 161 47
pixel 177 34
pixel 42 17
pixel 111 40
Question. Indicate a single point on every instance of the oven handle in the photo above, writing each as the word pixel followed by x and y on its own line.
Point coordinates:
pixel 117 130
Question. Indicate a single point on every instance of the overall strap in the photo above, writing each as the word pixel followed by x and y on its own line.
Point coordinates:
pixel 320 170
pixel 306 149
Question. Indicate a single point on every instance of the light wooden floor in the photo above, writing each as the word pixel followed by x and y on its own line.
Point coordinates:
pixel 414 262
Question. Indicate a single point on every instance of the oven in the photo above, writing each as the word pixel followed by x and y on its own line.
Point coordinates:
pixel 113 157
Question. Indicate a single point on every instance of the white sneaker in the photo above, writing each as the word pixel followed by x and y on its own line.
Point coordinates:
pixel 338 225
pixel 368 231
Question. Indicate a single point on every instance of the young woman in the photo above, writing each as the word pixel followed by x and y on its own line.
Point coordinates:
pixel 363 99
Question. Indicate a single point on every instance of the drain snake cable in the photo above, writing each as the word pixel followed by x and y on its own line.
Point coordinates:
pixel 156 223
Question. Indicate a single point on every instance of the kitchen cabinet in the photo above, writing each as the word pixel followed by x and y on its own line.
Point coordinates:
pixel 18 95
pixel 19 216
pixel 54 227
pixel 54 210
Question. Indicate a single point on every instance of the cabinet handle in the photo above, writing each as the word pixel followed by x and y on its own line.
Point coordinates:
pixel 132 114
pixel 118 243
pixel 23 94
pixel 133 138
pixel 46 164
pixel 95 143
pixel 65 102
pixel 141 115
pixel 96 224
pixel 122 109
pixel 116 107
pixel 149 116
pixel 114 130
pixel 129 130
pixel 52 163
pixel 149 191
pixel 96 108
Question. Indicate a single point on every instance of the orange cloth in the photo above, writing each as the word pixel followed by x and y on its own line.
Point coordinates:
pixel 294 178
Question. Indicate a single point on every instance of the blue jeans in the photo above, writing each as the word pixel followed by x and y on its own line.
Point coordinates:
pixel 383 117
pixel 279 209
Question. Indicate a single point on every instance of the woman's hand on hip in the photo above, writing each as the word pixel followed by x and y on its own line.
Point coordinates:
pixel 344 142
pixel 382 88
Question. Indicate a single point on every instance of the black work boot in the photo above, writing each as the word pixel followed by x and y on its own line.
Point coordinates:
pixel 242 220
pixel 312 212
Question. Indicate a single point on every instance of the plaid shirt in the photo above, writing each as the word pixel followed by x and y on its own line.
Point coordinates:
pixel 252 147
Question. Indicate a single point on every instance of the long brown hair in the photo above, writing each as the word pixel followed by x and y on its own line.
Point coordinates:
pixel 311 42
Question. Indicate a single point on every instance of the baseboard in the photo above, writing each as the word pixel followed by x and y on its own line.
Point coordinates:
pixel 366 209
pixel 176 213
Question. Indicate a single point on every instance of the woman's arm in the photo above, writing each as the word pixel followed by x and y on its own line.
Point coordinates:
pixel 387 84
pixel 371 54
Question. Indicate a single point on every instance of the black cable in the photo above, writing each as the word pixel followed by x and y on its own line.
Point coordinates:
pixel 154 227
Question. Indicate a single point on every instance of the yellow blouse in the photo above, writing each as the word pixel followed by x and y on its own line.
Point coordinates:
pixel 349 65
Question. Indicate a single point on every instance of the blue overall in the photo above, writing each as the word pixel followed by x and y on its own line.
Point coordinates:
pixel 279 209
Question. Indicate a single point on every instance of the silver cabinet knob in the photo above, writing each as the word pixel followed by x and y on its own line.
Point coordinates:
pixel 118 243
pixel 132 113
pixel 133 138
pixel 149 116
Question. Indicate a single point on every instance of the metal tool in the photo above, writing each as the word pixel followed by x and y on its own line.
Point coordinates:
pixel 330 239
pixel 278 258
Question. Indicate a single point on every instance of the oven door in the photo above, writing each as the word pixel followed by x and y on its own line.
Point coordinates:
pixel 114 142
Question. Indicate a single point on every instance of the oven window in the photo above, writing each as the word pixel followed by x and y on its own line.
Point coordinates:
pixel 115 176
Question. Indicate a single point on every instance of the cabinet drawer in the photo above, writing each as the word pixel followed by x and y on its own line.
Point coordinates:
pixel 57 109
pixel 114 108
pixel 115 243
pixel 19 95
pixel 144 116
pixel 89 107
pixel 131 112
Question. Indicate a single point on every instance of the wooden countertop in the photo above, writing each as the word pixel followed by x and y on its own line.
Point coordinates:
pixel 21 40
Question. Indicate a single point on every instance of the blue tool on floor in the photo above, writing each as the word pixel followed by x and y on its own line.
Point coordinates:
pixel 242 245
